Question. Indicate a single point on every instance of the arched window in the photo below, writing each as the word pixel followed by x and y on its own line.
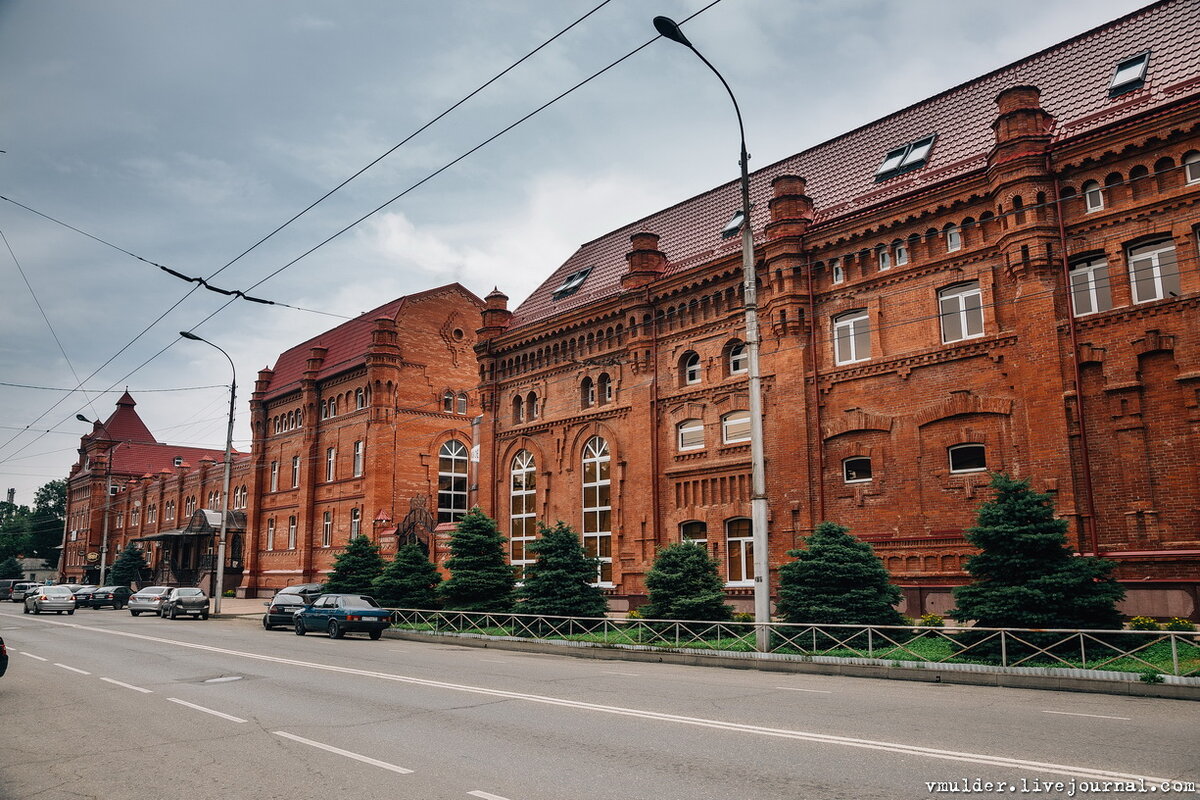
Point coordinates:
pixel 333 406
pixel 587 393
pixel 884 257
pixel 739 359
pixel 694 533
pixel 690 435
pixel 462 403
pixel 971 457
pixel 522 526
pixel 953 238
pixel 689 369
pixel 1093 197
pixel 604 389
pixel 518 406
pixel 739 543
pixel 452 481
pixel 531 406
pixel 355 522
pixel 735 427
pixel 899 252
pixel 597 506
pixel 448 402
pixel 360 398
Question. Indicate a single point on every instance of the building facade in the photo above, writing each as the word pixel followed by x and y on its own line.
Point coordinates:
pixel 1003 277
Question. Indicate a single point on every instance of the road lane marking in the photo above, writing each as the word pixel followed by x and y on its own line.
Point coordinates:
pixel 330 748
pixel 127 686
pixel 206 710
pixel 73 669
pixel 1093 716
pixel 796 689
pixel 806 736
pixel 31 655
pixel 626 674
pixel 482 795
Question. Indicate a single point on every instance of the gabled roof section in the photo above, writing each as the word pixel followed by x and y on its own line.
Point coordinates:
pixel 1073 77
pixel 346 344
pixel 124 424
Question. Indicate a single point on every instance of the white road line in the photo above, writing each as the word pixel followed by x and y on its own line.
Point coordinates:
pixel 496 660
pixel 31 655
pixel 330 748
pixel 482 795
pixel 205 710
pixel 73 669
pixel 127 686
pixel 783 733
pixel 626 674
pixel 1093 716
pixel 795 689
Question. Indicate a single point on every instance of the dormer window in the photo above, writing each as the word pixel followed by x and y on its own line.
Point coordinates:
pixel 1129 74
pixel 179 461
pixel 572 283
pixel 734 225
pixel 908 157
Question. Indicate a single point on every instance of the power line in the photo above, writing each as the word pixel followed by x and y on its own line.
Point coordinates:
pixel 107 391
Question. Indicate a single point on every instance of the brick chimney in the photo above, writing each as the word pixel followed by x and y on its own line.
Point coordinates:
pixel 646 261
pixel 496 315
pixel 791 208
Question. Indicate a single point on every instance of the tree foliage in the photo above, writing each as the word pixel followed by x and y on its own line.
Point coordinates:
pixel 129 566
pixel 409 581
pixel 355 567
pixel 34 532
pixel 684 584
pixel 11 568
pixel 836 579
pixel 1025 576
pixel 561 581
pixel 480 576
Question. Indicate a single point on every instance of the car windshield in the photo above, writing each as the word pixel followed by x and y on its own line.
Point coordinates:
pixel 358 601
pixel 188 593
pixel 83 589
pixel 288 600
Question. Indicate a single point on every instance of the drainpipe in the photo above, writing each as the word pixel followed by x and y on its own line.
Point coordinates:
pixel 654 438
pixel 1090 519
pixel 816 373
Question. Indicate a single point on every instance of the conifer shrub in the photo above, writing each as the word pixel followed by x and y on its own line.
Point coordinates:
pixel 11 568
pixel 409 581
pixel 684 584
pixel 129 566
pixel 480 576
pixel 562 580
pixel 355 568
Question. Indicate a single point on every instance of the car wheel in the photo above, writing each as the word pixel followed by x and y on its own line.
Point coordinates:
pixel 204 615
pixel 376 634
pixel 37 610
pixel 267 626
pixel 69 613
pixel 134 613
pixel 300 628
pixel 174 613
pixel 335 630
pixel 26 609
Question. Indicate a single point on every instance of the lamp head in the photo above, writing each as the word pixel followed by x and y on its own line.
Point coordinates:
pixel 190 335
pixel 82 418
pixel 668 28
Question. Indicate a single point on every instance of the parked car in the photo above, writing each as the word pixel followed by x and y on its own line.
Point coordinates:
pixel 186 600
pixel 149 599
pixel 83 595
pixel 3 657
pixel 50 598
pixel 6 587
pixel 308 591
pixel 114 596
pixel 338 614
pixel 281 610
pixel 19 590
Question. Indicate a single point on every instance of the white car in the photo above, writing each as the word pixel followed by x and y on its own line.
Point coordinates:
pixel 50 598
pixel 149 600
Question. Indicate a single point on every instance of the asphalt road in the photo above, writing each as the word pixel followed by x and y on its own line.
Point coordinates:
pixel 104 705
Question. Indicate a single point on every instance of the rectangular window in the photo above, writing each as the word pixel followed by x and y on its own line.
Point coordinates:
pixel 327 529
pixel 1153 272
pixel 355 522
pixel 291 533
pixel 885 259
pixel 739 540
pixel 961 310
pixel 1089 287
pixel 358 459
pixel 735 427
pixel 835 269
pixel 295 472
pixel 691 435
pixel 271 533
pixel 953 238
pixel 1129 74
pixel 274 476
pixel 851 338
pixel 901 253
pixel 905 158
pixel 856 470
pixel 1191 168
pixel 330 463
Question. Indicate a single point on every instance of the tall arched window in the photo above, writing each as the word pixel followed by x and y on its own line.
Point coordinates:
pixel 462 403
pixel 452 481
pixel 587 393
pixel 448 402
pixel 518 405
pixel 597 506
pixel 522 526
pixel 531 406
pixel 689 369
pixel 739 359
pixel 604 389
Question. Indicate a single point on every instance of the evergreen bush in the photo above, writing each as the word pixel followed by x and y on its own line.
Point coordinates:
pixel 129 566
pixel 410 581
pixel 355 567
pixel 561 582
pixel 11 568
pixel 480 576
pixel 684 584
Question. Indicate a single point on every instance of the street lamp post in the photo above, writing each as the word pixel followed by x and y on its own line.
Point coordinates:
pixel 228 465
pixel 758 472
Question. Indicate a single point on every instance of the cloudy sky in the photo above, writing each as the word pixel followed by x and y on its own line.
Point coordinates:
pixel 185 132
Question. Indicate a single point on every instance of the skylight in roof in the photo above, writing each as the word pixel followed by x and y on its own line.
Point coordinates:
pixel 903 159
pixel 734 225
pixel 572 283
pixel 1129 74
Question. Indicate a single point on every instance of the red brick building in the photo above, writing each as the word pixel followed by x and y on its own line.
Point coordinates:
pixel 365 428
pixel 1003 277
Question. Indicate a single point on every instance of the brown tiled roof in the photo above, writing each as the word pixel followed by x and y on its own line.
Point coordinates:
pixel 139 458
pixel 1073 76
pixel 347 343
pixel 124 424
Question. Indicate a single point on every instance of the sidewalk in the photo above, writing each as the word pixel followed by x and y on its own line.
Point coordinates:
pixel 242 606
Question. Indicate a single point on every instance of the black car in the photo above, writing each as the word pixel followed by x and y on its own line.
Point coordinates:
pixel 186 601
pixel 83 595
pixel 3 657
pixel 281 610
pixel 307 591
pixel 113 596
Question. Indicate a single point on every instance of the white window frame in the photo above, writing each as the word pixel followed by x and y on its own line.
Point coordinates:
pixel 1161 274
pixel 360 399
pixel 689 435
pixel 274 476
pixel 950 451
pixel 327 529
pixel 900 253
pixel 355 522
pixel 689 538
pixel 692 372
pixel 884 258
pixel 604 388
pixel 953 238
pixel 837 274
pixel 739 552
pixel 967 315
pixel 846 470
pixel 1093 197
pixel 291 532
pixel 271 533
pixel 739 359
pixel 596 507
pixel 732 425
pixel 1089 282
pixel 330 464
pixel 295 472
pixel 359 460
pixel 462 403
pixel 522 507
pixel 1191 168
pixel 452 474
pixel 851 333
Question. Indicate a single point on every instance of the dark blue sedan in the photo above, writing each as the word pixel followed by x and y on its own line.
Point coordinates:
pixel 339 614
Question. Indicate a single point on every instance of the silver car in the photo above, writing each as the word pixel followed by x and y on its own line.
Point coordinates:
pixel 50 598
pixel 149 600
